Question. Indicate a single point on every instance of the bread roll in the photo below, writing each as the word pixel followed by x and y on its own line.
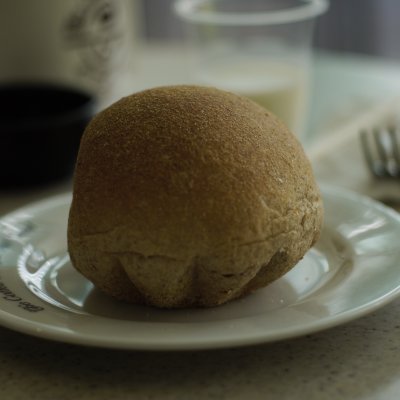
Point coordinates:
pixel 189 196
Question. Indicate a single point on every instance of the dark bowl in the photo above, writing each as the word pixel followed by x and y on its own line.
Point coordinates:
pixel 40 131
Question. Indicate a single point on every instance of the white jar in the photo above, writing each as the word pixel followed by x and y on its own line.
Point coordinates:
pixel 84 43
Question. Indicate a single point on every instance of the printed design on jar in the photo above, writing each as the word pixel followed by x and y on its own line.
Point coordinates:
pixel 95 31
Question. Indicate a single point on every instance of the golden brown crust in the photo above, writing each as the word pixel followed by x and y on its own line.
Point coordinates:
pixel 196 194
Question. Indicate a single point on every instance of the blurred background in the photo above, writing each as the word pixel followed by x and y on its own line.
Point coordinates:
pixel 106 49
pixel 356 26
pixel 357 58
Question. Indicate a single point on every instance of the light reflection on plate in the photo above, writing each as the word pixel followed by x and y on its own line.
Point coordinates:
pixel 352 270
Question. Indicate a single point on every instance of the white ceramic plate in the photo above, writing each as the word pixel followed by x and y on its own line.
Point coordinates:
pixel 353 269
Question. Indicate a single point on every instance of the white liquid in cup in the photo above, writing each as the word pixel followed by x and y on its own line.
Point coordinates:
pixel 277 86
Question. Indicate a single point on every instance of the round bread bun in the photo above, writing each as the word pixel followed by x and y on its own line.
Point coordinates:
pixel 189 196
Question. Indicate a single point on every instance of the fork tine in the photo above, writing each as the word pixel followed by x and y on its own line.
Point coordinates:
pixel 381 146
pixel 395 147
pixel 376 167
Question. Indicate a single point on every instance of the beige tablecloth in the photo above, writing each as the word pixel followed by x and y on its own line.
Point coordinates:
pixel 338 158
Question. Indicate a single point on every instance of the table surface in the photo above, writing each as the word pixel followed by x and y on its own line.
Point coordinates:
pixel 358 360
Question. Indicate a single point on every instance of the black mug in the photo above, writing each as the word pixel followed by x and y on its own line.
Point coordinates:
pixel 40 130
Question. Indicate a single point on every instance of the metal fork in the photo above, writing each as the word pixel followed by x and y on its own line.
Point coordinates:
pixel 381 151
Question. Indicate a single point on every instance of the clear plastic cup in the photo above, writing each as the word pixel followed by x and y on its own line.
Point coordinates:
pixel 261 49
